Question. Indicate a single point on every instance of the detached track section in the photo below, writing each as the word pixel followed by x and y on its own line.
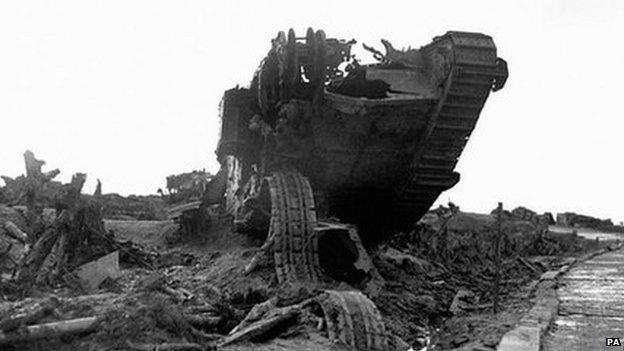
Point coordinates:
pixel 293 219
pixel 476 70
pixel 350 316
pixel 353 319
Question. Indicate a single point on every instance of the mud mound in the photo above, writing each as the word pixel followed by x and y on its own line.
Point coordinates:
pixel 153 233
pixel 114 206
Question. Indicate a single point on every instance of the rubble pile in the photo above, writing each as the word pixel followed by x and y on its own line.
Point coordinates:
pixel 185 187
pixel 525 214
pixel 571 219
pixel 42 248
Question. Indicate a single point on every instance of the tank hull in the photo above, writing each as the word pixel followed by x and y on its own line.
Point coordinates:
pixel 368 148
pixel 378 145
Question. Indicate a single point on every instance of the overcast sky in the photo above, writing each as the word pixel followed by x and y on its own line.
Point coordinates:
pixel 128 91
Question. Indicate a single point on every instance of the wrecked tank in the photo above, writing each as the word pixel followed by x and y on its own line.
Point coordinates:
pixel 319 135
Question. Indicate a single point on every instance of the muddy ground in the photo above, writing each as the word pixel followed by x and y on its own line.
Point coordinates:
pixel 423 272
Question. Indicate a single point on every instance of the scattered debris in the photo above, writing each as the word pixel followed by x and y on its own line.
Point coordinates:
pixel 272 319
pixel 37 312
pixel 15 232
pixel 407 261
pixel 463 301
pixel 12 249
pixel 75 236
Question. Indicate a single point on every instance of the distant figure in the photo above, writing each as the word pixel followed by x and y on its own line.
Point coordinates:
pixel 98 189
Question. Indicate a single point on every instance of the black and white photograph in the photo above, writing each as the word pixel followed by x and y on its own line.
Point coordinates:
pixel 311 175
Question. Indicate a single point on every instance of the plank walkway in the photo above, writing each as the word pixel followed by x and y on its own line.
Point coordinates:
pixel 591 306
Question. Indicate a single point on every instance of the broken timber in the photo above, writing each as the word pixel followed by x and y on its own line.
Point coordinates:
pixel 349 317
pixel 49 330
pixel 41 310
pixel 76 236
pixel 15 232
pixel 261 327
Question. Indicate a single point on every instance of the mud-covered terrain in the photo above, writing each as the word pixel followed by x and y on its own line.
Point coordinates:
pixel 434 289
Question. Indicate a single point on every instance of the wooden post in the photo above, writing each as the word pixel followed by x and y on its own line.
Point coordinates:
pixel 98 189
pixel 33 193
pixel 497 259
pixel 444 240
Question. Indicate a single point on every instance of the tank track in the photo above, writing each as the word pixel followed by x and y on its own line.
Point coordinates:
pixel 475 71
pixel 353 319
pixel 293 219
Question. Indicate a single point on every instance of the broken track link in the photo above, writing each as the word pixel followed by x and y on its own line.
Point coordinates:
pixel 353 319
pixel 291 231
